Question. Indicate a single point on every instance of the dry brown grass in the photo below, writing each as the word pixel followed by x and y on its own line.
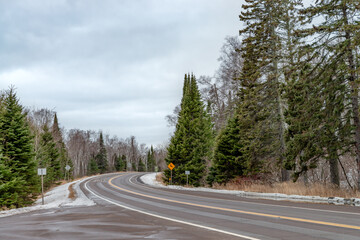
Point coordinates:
pixel 159 178
pixel 72 193
pixel 290 188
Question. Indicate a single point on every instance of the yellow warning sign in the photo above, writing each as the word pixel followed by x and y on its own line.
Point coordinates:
pixel 171 166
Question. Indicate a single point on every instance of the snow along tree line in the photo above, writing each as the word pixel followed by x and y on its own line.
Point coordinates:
pixel 284 104
pixel 31 139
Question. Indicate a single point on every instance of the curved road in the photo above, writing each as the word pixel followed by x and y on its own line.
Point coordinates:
pixel 128 209
pixel 219 216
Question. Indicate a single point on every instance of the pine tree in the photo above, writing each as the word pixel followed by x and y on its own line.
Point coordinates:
pixel 133 167
pixel 120 162
pixel 228 156
pixel 151 160
pixel 18 179
pixel 141 167
pixel 48 157
pixel 333 43
pixel 304 119
pixel 190 147
pixel 101 157
pixel 123 159
pixel 60 145
pixel 261 101
pixel 319 120
pixel 93 167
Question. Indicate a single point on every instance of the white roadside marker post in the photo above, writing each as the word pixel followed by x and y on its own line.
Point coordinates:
pixel 42 172
pixel 187 177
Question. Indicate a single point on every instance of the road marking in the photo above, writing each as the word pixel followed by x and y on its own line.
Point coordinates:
pixel 239 211
pixel 169 219
pixel 252 203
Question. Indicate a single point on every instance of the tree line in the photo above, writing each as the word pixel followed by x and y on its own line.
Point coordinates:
pixel 32 139
pixel 284 103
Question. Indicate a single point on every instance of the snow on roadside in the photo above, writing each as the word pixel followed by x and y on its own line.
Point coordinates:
pixel 150 179
pixel 57 197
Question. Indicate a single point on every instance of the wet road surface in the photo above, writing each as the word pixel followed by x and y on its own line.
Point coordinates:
pixel 128 209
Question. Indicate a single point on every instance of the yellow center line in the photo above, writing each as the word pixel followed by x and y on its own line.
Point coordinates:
pixel 237 211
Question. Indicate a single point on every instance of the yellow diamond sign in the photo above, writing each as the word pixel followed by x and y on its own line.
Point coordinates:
pixel 171 166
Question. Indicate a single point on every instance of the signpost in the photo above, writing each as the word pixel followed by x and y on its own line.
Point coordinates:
pixel 171 167
pixel 67 168
pixel 187 177
pixel 42 172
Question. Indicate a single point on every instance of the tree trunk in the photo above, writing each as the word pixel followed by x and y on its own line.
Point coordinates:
pixel 280 111
pixel 334 171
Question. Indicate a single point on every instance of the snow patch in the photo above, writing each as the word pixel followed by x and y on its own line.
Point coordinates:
pixel 150 179
pixel 57 197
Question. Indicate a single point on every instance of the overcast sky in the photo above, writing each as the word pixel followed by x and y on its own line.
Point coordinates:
pixel 116 66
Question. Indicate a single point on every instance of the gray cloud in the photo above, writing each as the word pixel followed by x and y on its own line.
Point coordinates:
pixel 111 65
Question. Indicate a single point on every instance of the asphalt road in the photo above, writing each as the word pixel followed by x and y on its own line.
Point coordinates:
pixel 230 216
pixel 128 209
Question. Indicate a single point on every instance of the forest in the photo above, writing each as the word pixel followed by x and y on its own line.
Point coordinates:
pixel 33 138
pixel 283 105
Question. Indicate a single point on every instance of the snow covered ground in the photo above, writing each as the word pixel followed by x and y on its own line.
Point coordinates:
pixel 58 197
pixel 150 179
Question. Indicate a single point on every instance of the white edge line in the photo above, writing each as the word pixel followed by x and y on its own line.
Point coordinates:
pixel 259 198
pixel 171 219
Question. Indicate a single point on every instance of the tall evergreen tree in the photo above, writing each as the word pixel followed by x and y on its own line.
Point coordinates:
pixel 93 167
pixel 133 167
pixel 228 160
pixel 63 154
pixel 120 163
pixel 141 166
pixel 151 160
pixel 254 140
pixel 304 118
pixel 334 38
pixel 18 179
pixel 101 157
pixel 190 147
pixel 48 157
pixel 318 118
pixel 260 102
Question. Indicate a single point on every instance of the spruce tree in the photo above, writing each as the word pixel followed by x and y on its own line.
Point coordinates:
pixel 93 167
pixel 48 157
pixel 141 166
pixel 18 178
pixel 123 159
pixel 332 42
pixel 120 162
pixel 133 167
pixel 261 101
pixel 304 118
pixel 101 157
pixel 228 161
pixel 256 143
pixel 190 147
pixel 60 145
pixel 151 160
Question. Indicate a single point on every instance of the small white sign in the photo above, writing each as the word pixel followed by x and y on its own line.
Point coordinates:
pixel 187 172
pixel 67 168
pixel 41 171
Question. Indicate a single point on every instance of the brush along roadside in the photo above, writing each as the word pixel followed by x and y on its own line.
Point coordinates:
pixel 288 191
